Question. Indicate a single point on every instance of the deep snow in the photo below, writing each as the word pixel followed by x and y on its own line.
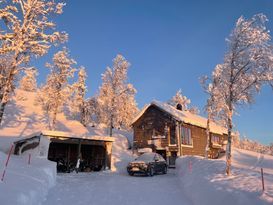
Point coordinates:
pixel 196 181
pixel 26 184
pixel 116 189
pixel 204 181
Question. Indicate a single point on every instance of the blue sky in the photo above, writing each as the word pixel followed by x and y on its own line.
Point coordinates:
pixel 170 44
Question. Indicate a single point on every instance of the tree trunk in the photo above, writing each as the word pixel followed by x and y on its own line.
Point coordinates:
pixel 8 86
pixel 54 118
pixel 208 137
pixel 2 110
pixel 228 149
pixel 111 126
pixel 6 94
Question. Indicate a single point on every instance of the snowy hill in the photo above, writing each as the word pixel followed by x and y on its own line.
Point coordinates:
pixel 29 184
pixel 198 180
pixel 204 181
pixel 23 117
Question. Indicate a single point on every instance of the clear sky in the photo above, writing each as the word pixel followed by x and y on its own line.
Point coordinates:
pixel 170 44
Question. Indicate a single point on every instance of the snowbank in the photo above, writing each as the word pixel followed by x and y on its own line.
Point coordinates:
pixel 121 155
pixel 204 181
pixel 26 183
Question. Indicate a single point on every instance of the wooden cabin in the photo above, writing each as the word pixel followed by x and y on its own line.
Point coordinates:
pixel 93 152
pixel 172 132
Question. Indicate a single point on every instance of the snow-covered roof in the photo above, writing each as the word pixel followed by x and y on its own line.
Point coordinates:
pixel 184 116
pixel 62 134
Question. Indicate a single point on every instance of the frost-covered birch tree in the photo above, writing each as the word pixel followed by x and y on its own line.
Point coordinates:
pixel 214 106
pixel 91 110
pixel 56 91
pixel 26 32
pixel 248 64
pixel 5 64
pixel 28 81
pixel 182 100
pixel 115 94
pixel 78 105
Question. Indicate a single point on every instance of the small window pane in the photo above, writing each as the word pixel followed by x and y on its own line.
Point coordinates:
pixel 186 136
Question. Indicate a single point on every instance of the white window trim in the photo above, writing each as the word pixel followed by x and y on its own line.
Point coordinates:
pixel 172 145
pixel 214 142
pixel 189 146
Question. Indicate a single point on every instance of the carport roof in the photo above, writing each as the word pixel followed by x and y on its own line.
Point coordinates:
pixel 60 134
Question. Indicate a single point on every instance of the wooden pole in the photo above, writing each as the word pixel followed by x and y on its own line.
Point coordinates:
pixel 7 162
pixel 262 173
pixel 79 156
pixel 29 157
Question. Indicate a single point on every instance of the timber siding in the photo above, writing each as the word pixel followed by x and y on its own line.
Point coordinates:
pixel 199 138
pixel 155 122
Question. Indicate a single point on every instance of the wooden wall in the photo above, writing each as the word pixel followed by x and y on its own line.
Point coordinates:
pixel 156 119
pixel 153 122
pixel 199 138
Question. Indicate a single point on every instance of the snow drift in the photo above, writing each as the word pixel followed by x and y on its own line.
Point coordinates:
pixel 204 181
pixel 26 183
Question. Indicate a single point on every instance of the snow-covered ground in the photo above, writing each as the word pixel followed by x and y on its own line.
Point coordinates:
pixel 196 181
pixel 26 184
pixel 204 182
pixel 116 189
pixel 29 184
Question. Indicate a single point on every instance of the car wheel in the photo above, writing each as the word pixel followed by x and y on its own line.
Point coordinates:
pixel 131 173
pixel 165 170
pixel 151 172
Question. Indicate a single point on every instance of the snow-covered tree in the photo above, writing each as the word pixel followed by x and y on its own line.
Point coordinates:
pixel 28 81
pixel 91 110
pixel 214 106
pixel 127 110
pixel 116 96
pixel 184 102
pixel 248 65
pixel 56 91
pixel 79 89
pixel 5 62
pixel 26 32
pixel 180 99
pixel 194 110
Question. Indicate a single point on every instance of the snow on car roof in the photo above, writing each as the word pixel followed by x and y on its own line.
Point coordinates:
pixel 184 116
pixel 146 157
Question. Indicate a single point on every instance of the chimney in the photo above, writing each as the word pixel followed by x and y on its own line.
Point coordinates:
pixel 179 107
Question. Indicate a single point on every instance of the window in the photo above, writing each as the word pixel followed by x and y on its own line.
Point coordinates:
pixel 172 135
pixel 215 139
pixel 186 136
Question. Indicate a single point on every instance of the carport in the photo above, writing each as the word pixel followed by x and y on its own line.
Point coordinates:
pixel 93 153
pixel 83 153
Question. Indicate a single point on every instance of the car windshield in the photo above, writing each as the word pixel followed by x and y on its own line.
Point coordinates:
pixel 146 157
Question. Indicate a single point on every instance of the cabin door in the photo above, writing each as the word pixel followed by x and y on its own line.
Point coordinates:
pixel 172 159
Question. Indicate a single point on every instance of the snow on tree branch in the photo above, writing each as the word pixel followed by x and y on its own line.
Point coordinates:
pixel 116 99
pixel 247 66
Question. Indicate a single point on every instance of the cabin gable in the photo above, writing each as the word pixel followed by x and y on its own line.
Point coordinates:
pixel 167 134
pixel 154 129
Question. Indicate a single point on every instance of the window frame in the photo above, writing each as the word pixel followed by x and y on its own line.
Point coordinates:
pixel 186 133
pixel 213 141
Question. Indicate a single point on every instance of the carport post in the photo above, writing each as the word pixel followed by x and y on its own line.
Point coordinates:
pixel 108 154
pixel 79 156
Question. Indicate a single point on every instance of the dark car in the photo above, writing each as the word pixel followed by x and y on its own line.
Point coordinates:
pixel 149 164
